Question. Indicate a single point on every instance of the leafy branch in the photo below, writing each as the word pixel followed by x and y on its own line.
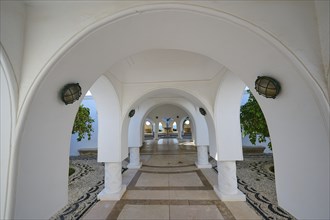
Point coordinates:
pixel 253 122
pixel 83 123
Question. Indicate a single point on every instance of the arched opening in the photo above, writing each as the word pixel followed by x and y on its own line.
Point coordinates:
pixel 86 146
pixel 186 129
pixel 255 134
pixel 224 28
pixel 174 126
pixel 257 154
pixel 84 171
pixel 149 130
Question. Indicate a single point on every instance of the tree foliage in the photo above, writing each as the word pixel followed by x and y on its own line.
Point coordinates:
pixel 83 123
pixel 253 122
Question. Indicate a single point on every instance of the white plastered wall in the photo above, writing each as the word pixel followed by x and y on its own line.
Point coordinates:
pixel 142 32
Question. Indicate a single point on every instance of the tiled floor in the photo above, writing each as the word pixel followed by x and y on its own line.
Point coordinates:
pixel 169 186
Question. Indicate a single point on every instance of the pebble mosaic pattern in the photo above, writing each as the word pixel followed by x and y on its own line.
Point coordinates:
pixel 257 182
pixel 253 175
pixel 84 185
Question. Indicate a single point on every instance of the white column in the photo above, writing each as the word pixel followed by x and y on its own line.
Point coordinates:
pixel 227 182
pixel 134 158
pixel 202 157
pixel 179 127
pixel 156 130
pixel 113 188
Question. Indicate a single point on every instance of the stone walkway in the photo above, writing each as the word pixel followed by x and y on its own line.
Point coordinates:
pixel 169 186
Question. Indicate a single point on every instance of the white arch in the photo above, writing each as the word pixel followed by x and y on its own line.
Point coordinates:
pixel 136 123
pixel 227 118
pixel 142 32
pixel 8 153
pixel 109 120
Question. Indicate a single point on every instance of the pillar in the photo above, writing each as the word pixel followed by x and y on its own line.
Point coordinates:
pixel 134 158
pixel 227 182
pixel 156 131
pixel 179 127
pixel 202 157
pixel 113 188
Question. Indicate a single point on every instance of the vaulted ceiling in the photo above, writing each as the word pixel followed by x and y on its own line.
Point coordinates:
pixel 162 65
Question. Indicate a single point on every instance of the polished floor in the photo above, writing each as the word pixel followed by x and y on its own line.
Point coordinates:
pixel 169 186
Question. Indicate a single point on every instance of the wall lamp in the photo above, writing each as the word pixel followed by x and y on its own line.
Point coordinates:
pixel 131 113
pixel 267 86
pixel 71 93
pixel 202 111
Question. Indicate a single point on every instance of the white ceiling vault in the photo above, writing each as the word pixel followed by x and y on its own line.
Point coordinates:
pixel 165 65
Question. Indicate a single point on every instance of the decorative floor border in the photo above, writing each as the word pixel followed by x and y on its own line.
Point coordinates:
pixel 206 184
pixel 255 199
pixel 119 206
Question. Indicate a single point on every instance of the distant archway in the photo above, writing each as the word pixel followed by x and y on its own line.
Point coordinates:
pixel 145 105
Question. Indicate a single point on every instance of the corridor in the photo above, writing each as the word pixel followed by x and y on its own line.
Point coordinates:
pixel 170 186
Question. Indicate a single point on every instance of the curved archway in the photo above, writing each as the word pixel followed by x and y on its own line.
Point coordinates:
pixel 8 109
pixel 142 31
pixel 109 114
pixel 227 108
pixel 134 132
pixel 145 106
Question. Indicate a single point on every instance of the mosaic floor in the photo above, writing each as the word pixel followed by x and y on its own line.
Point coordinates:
pixel 169 186
pixel 257 182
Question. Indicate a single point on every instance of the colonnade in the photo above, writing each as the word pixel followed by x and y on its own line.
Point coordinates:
pixel 226 189
pixel 156 129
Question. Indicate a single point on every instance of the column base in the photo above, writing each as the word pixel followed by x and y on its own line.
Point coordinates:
pixel 203 166
pixel 105 196
pixel 134 166
pixel 239 196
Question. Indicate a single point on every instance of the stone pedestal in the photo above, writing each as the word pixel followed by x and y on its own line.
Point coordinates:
pixel 202 157
pixel 227 182
pixel 113 188
pixel 134 158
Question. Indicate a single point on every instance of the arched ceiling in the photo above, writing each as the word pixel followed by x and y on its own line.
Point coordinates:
pixel 165 65
pixel 167 111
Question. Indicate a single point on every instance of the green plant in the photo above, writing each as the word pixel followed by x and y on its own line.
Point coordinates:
pixel 83 123
pixel 253 122
pixel 71 171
